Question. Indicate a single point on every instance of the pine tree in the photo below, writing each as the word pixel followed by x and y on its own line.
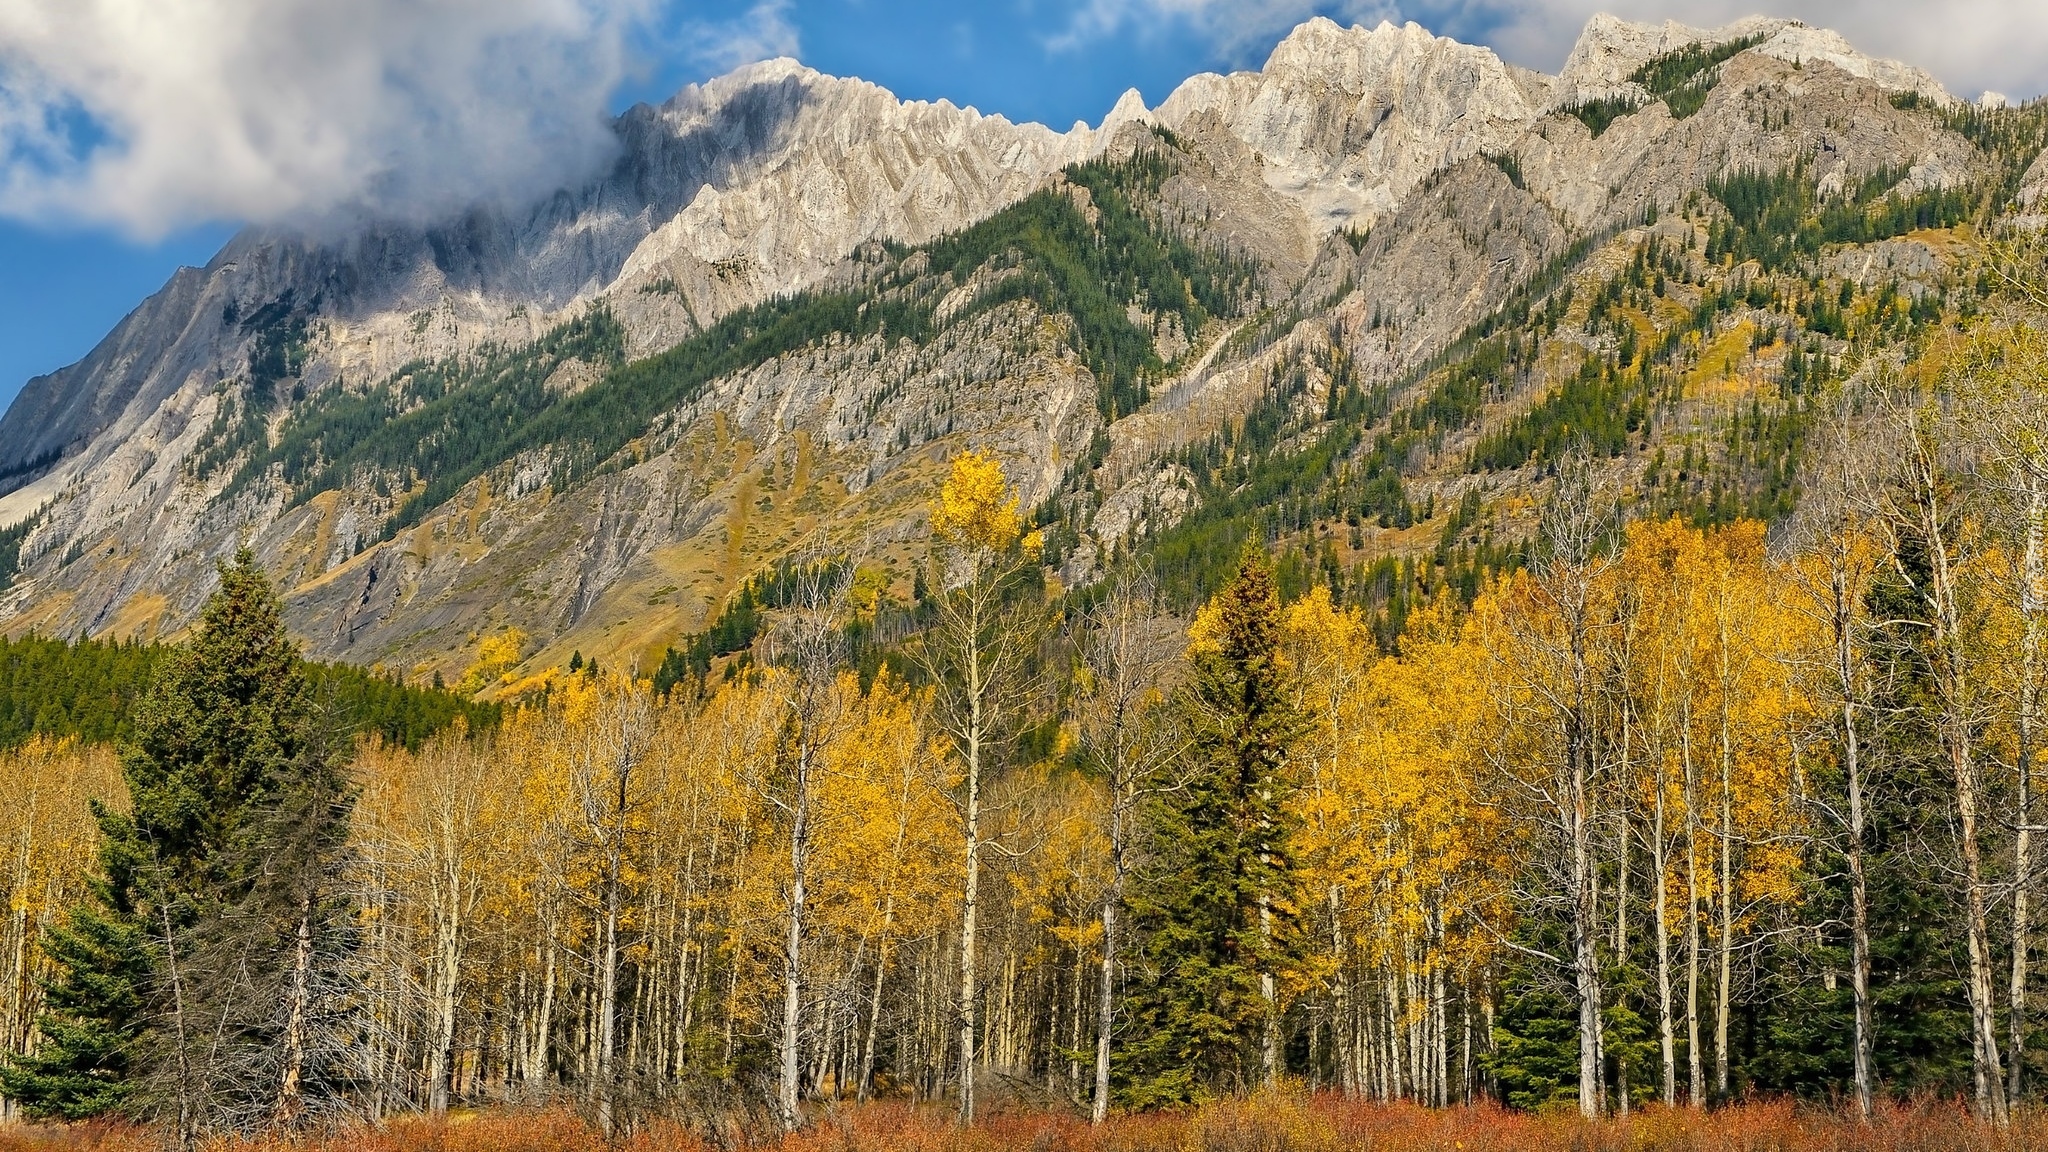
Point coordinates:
pixel 229 714
pixel 94 1004
pixel 246 812
pixel 1214 913
pixel 189 983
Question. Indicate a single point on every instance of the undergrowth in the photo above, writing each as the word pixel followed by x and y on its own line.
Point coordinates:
pixel 1280 1123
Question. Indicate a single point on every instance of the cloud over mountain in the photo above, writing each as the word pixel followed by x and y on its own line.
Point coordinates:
pixel 148 115
pixel 764 32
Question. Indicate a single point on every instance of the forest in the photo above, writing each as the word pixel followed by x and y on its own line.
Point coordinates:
pixel 1656 826
pixel 1669 817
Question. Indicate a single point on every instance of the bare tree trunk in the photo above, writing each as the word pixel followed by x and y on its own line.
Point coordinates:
pixel 187 1090
pixel 1666 1028
pixel 793 943
pixel 1621 885
pixel 1951 670
pixel 1585 926
pixel 538 1056
pixel 291 1087
pixel 607 1002
pixel 1725 954
pixel 447 969
pixel 1105 1008
pixel 1859 901
pixel 1697 1074
pixel 1990 1084
pixel 867 1056
pixel 2032 581
pixel 1341 1008
pixel 969 908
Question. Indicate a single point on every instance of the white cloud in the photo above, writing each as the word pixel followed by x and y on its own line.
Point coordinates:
pixel 763 33
pixel 1970 45
pixel 149 115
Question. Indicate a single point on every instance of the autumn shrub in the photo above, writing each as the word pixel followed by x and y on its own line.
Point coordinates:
pixel 1275 1123
pixel 95 1137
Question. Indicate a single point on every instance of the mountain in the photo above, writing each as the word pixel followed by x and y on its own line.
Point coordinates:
pixel 1355 300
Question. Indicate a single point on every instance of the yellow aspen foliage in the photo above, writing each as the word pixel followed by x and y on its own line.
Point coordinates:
pixel 48 843
pixel 496 657
pixel 1403 855
pixel 977 511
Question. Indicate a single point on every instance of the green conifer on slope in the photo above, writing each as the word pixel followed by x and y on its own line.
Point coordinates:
pixel 1214 912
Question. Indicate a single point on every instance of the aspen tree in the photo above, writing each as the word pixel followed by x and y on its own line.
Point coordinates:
pixel 1832 570
pixel 977 653
pixel 453 789
pixel 1999 374
pixel 1333 653
pixel 1917 506
pixel 1551 647
pixel 808 641
pixel 610 721
pixel 889 856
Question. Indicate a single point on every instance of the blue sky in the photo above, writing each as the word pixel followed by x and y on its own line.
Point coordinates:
pixel 153 143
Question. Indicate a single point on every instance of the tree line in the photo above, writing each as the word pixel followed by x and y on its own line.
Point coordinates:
pixel 89 689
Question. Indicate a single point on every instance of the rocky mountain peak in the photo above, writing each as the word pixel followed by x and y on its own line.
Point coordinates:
pixel 1797 43
pixel 1610 49
pixel 1130 109
pixel 1349 120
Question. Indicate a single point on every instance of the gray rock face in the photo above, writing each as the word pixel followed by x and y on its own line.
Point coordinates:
pixel 2034 185
pixel 753 184
pixel 1349 121
pixel 1466 172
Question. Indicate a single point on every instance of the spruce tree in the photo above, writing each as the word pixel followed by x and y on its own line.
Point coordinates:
pixel 191 982
pixel 93 1005
pixel 1214 912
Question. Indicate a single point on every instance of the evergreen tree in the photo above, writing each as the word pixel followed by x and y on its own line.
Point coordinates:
pixel 1214 913
pixel 192 982
pixel 93 1006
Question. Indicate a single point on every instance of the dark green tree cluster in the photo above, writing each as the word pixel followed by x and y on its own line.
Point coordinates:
pixel 90 690
pixel 1600 409
pixel 204 980
pixel 738 624
pixel 11 539
pixel 1214 913
pixel 1778 218
pixel 1093 268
